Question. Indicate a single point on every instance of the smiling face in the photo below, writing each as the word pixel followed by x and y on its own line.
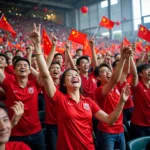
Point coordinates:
pixel 3 62
pixel 55 71
pixel 22 68
pixel 5 127
pixel 59 59
pixel 72 80
pixel 34 63
pixel 84 66
pixel 104 75
pixel 9 55
pixel 145 74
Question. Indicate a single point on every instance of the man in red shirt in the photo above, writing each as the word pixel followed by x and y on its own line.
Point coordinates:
pixel 21 89
pixel 6 125
pixel 140 121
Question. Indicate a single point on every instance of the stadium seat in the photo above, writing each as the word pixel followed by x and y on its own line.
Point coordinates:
pixel 138 143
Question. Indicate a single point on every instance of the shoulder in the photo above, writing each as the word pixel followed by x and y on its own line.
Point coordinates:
pixel 16 146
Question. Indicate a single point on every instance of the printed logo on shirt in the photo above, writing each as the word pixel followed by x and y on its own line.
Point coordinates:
pixel 15 91
pixel 117 92
pixel 70 104
pixel 145 90
pixel 86 106
pixel 93 80
pixel 31 90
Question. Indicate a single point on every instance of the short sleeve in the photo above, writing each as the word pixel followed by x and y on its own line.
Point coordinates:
pixel 6 83
pixel 95 107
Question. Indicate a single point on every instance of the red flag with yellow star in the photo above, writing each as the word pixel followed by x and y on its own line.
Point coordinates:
pixel 144 33
pixel 105 22
pixel 6 26
pixel 47 44
pixel 126 42
pixel 87 49
pixel 77 37
pixel 147 48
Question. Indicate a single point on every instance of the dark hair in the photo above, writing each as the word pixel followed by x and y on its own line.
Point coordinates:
pixel 57 55
pixel 3 55
pixel 114 64
pixel 80 58
pixel 55 62
pixel 141 67
pixel 62 88
pixel 18 51
pixel 116 55
pixel 75 56
pixel 3 106
pixel 8 52
pixel 33 55
pixel 79 49
pixel 96 71
pixel 14 59
pixel 21 59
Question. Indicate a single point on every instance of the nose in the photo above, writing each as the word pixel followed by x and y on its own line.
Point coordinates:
pixel 2 125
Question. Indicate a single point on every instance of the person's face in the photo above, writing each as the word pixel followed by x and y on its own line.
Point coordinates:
pixel 25 53
pixel 19 54
pixel 9 56
pixel 79 53
pixel 104 75
pixel 117 57
pixel 145 74
pixel 5 127
pixel 3 63
pixel 55 71
pixel 72 80
pixel 22 69
pixel 84 66
pixel 34 63
pixel 59 59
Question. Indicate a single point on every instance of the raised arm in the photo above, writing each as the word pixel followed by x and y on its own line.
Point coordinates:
pixel 48 82
pixel 30 52
pixel 113 116
pixel 94 58
pixel 125 52
pixel 52 51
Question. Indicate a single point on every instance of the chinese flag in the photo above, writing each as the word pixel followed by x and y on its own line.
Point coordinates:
pixel 139 46
pixel 147 48
pixel 105 22
pixel 46 42
pixel 77 37
pixel 87 49
pixel 6 26
pixel 126 42
pixel 144 33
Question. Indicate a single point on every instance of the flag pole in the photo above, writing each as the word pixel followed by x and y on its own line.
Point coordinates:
pixel 95 31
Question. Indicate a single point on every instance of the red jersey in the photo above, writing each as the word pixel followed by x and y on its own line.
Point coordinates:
pixel 29 123
pixel 10 69
pixel 50 117
pixel 16 146
pixel 74 122
pixel 129 102
pixel 89 86
pixel 108 103
pixel 141 112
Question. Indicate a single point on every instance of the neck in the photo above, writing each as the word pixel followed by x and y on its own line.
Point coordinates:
pixel 22 81
pixel 84 74
pixel 146 83
pixel 56 81
pixel 2 147
pixel 75 95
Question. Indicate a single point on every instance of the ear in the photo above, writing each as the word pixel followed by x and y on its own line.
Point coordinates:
pixel 98 78
pixel 140 74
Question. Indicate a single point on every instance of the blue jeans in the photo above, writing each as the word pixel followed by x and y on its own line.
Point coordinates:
pixel 51 136
pixel 108 141
pixel 35 141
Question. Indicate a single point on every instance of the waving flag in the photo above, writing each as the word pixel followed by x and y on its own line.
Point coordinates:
pixel 126 42
pixel 105 22
pixel 144 33
pixel 77 37
pixel 6 26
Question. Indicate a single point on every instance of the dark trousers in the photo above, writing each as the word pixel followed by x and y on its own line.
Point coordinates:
pixel 108 141
pixel 51 136
pixel 139 131
pixel 41 102
pixel 35 141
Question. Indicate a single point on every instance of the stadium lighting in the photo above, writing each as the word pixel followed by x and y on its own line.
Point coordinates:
pixel 105 33
pixel 0 11
pixel 19 14
pixel 51 14
pixel 33 15
pixel 10 11
pixel 16 14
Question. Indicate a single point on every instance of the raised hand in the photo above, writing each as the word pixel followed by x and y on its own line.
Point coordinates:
pixel 68 45
pixel 36 34
pixel 125 93
pixel 125 51
pixel 54 39
pixel 18 109
pixel 92 43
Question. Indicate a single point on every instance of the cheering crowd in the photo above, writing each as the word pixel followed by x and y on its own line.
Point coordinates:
pixel 88 100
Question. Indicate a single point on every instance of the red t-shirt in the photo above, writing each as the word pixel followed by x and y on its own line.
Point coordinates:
pixel 108 103
pixel 50 117
pixel 74 122
pixel 16 146
pixel 29 123
pixel 89 86
pixel 10 69
pixel 129 102
pixel 141 112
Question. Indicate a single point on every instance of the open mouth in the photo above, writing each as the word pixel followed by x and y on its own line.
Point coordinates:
pixel 75 80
